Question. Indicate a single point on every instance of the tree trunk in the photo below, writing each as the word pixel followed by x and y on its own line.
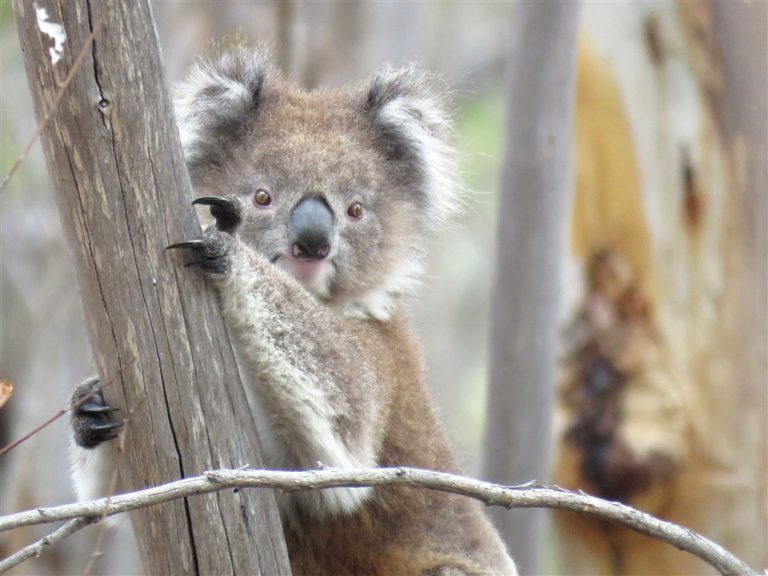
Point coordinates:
pixel 533 211
pixel 123 193
pixel 741 31
pixel 662 400
pixel 287 20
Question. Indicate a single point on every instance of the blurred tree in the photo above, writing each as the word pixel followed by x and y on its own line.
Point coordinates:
pixel 532 224
pixel 662 393
pixel 287 38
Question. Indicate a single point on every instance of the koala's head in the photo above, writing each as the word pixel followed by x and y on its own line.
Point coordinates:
pixel 338 187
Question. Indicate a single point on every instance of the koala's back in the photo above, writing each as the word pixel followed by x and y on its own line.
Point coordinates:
pixel 402 532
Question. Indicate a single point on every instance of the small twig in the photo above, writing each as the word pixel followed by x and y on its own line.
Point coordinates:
pixel 59 93
pixel 34 550
pixel 8 447
pixel 491 494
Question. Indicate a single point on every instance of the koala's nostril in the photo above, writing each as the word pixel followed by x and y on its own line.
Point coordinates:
pixel 310 251
pixel 310 229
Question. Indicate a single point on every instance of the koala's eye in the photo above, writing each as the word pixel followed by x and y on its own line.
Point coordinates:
pixel 262 198
pixel 355 211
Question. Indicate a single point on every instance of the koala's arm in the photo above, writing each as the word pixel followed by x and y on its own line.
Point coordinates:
pixel 319 374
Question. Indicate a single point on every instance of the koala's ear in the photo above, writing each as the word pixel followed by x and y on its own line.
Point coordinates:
pixel 216 100
pixel 414 127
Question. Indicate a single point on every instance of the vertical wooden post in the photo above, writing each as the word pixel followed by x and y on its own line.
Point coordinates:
pixel 123 193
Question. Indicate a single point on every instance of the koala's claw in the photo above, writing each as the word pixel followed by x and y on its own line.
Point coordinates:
pixel 212 251
pixel 105 431
pixel 91 422
pixel 94 408
pixel 196 244
pixel 224 210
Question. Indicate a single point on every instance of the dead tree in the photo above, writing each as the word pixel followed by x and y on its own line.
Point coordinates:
pixel 533 212
pixel 123 192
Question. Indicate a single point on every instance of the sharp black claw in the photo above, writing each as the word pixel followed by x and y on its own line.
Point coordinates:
pixel 106 426
pixel 224 210
pixel 188 244
pixel 218 201
pixel 194 263
pixel 93 408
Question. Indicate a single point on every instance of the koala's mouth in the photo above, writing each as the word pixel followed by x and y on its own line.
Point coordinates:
pixel 315 275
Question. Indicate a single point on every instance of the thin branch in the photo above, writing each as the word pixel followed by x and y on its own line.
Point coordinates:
pixel 34 550
pixel 63 85
pixel 491 494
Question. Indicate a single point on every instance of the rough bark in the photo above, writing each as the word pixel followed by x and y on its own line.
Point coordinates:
pixel 533 213
pixel 123 193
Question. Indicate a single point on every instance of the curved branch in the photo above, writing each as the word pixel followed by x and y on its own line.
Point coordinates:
pixel 491 494
pixel 36 548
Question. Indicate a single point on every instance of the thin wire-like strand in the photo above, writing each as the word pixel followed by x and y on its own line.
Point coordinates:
pixel 56 100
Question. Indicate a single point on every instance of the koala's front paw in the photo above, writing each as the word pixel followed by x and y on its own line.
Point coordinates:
pixel 212 252
pixel 226 211
pixel 91 421
pixel 214 249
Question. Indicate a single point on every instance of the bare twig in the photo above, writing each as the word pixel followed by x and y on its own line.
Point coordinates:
pixel 34 550
pixel 63 85
pixel 491 494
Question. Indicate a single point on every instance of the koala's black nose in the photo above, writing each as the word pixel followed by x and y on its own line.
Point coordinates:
pixel 310 229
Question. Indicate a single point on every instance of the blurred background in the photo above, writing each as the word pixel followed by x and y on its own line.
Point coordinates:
pixel 660 395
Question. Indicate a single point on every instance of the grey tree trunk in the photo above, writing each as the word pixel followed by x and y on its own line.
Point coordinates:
pixel 741 30
pixel 533 217
pixel 123 192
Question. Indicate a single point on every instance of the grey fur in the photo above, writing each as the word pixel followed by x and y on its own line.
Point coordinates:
pixel 216 102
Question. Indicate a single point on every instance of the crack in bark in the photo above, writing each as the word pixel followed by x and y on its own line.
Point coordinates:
pixel 126 212
pixel 89 245
pixel 102 98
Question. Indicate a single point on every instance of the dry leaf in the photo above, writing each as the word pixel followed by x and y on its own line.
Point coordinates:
pixel 6 391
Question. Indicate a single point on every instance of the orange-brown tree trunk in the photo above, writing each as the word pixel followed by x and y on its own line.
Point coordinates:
pixel 662 394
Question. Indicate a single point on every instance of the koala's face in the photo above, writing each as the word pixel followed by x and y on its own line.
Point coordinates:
pixel 338 188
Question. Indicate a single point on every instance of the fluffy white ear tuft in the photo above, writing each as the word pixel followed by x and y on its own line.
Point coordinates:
pixel 413 117
pixel 217 98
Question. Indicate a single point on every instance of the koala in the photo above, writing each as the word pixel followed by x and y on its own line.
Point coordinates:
pixel 320 207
